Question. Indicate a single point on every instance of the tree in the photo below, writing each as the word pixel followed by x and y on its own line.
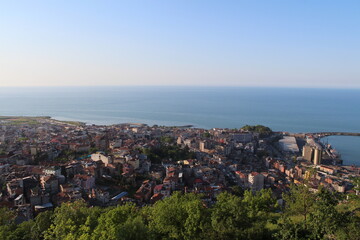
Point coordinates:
pixel 229 217
pixel 168 151
pixel 22 231
pixel 122 222
pixel 178 217
pixel 257 128
pixel 349 230
pixel 206 135
pixel 356 183
pixel 42 222
pixel 167 140
pixel 67 221
pixel 288 230
pixel 7 225
pixel 318 213
pixel 93 150
pixel 6 216
pixel 307 215
pixel 299 201
pixel 324 219
pixel 260 203
pixel 237 191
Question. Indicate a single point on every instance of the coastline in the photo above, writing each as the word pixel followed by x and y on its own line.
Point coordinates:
pixel 31 119
pixel 17 120
pixel 23 119
pixel 34 119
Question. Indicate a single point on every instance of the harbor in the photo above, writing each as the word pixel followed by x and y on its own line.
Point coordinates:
pixel 336 151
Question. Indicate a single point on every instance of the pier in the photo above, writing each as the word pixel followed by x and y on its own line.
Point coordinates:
pixel 326 134
pixel 322 134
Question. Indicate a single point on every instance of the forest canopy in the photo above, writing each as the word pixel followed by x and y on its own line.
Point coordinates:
pixel 306 215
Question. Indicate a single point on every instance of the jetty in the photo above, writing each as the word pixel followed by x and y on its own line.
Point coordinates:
pixel 326 134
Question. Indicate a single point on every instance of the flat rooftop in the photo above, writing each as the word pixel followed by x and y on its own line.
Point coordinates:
pixel 288 144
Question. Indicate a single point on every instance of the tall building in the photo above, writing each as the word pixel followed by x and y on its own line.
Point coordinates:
pixel 202 146
pixel 312 153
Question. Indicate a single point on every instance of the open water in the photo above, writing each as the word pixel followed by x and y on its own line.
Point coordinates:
pixel 282 109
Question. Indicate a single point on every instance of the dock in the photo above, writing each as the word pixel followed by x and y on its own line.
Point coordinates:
pixel 326 134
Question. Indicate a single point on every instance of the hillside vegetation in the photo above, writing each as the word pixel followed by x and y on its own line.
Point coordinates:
pixel 185 216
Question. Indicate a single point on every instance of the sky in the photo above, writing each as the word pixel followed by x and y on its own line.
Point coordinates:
pixel 268 43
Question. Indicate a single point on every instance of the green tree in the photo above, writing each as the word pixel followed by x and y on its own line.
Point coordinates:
pixel 288 230
pixel 93 150
pixel 324 219
pixel 259 204
pixel 67 221
pixel 42 223
pixel 167 140
pixel 22 231
pixel 206 135
pixel 356 183
pixel 178 217
pixel 311 208
pixel 168 151
pixel 257 128
pixel 350 229
pixel 237 191
pixel 300 201
pixel 229 217
pixel 7 225
pixel 122 222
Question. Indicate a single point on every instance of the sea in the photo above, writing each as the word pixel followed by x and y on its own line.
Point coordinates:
pixel 282 109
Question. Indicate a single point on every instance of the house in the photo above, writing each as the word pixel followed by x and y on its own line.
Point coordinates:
pixel 101 157
pixel 38 197
pixel 127 169
pixel 80 148
pixel 15 187
pixel 87 182
pixel 256 181
pixel 144 193
pixel 68 193
pixel 100 195
pixel 19 200
pixel 134 162
pixel 156 197
pixel 50 184
pixel 53 170
pixel 242 178
pixel 163 189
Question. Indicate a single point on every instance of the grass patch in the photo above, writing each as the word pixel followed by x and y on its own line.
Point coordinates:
pixel 21 120
pixel 350 206
pixel 75 123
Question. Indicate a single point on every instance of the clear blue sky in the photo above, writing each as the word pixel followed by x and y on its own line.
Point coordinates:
pixel 300 43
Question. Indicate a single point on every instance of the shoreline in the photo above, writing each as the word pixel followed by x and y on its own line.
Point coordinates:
pixel 31 120
pixel 322 134
pixel 25 119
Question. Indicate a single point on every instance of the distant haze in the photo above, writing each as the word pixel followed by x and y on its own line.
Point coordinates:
pixel 231 43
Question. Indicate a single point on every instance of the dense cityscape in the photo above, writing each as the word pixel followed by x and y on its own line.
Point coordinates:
pixel 46 163
pixel 180 120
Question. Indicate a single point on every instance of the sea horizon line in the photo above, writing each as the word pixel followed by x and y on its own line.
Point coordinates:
pixel 189 86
